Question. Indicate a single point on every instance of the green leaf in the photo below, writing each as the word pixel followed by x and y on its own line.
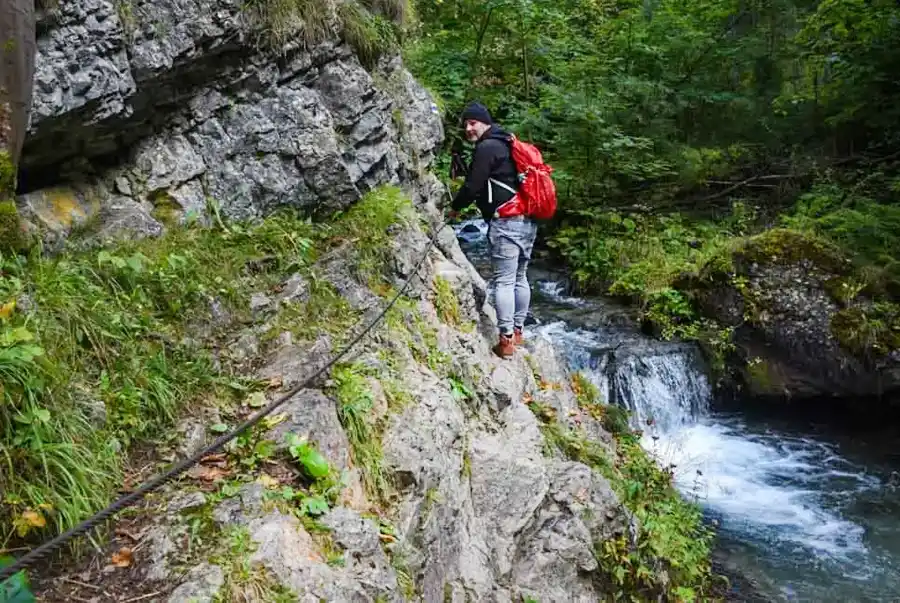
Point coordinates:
pixel 15 589
pixel 219 428
pixel 314 463
pixel 314 506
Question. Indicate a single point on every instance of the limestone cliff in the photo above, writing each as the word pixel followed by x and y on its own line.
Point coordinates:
pixel 149 112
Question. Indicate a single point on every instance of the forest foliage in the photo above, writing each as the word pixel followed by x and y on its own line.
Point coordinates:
pixel 678 128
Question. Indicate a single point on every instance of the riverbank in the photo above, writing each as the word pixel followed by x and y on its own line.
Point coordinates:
pixel 796 508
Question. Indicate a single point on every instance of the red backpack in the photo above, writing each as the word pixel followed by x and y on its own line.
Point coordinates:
pixel 537 191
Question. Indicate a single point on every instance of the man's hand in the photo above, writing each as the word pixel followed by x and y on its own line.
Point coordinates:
pixel 452 215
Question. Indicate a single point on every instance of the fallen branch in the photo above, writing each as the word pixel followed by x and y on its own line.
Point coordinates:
pixel 743 183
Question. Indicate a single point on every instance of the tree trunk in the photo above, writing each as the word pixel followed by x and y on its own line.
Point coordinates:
pixel 17 50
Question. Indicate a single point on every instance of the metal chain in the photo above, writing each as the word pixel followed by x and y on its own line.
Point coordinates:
pixel 36 554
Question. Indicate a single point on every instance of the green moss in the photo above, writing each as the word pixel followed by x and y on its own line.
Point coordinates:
pixel 165 208
pixel 785 246
pixel 13 237
pixel 868 332
pixel 760 376
pixel 445 302
pixel 7 175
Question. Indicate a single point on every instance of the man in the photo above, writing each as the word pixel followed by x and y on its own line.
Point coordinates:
pixel 491 182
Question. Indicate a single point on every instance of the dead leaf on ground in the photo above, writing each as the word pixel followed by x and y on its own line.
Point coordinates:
pixel 123 557
pixel 207 473
pixel 217 460
pixel 34 519
pixel 130 535
pixel 274 383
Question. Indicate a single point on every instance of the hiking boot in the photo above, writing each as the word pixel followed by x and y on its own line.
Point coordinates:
pixel 505 346
pixel 518 336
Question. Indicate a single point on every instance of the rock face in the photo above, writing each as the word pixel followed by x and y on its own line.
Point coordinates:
pixel 478 507
pixel 196 117
pixel 148 113
pixel 787 297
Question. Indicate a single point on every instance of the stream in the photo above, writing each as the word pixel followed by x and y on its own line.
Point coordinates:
pixel 802 513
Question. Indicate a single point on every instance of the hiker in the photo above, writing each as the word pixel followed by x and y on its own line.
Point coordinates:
pixel 492 182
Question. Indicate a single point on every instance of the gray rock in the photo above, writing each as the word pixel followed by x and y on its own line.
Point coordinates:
pixel 345 88
pixel 364 557
pixel 193 436
pixel 311 415
pixel 120 218
pixel 295 289
pixel 81 66
pixel 240 509
pixel 167 33
pixel 156 554
pixel 123 186
pixel 556 554
pixel 296 363
pixel 289 552
pixel 202 585
pixel 509 382
pixel 259 301
pixel 165 161
pixel 191 200
pixel 185 501
pixel 245 347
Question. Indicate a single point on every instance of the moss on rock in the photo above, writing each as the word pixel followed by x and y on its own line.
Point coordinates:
pixel 868 332
pixel 785 246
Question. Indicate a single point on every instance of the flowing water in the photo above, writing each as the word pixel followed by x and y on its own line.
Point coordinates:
pixel 805 515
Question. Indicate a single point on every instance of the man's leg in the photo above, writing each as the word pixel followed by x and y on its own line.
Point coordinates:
pixel 527 234
pixel 504 262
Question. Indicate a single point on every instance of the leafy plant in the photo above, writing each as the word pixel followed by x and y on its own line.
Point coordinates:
pixel 312 462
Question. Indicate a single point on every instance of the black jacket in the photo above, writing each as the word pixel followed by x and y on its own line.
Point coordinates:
pixel 492 159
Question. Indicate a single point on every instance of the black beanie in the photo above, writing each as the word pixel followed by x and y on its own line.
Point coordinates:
pixel 478 112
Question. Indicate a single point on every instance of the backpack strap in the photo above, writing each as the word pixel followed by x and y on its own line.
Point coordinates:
pixel 501 185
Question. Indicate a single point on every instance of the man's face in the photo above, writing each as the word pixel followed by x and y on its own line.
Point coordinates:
pixel 475 129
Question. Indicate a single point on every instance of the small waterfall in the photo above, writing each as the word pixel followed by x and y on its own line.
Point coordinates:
pixel 665 391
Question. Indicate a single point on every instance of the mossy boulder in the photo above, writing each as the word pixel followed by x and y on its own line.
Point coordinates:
pixel 802 322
